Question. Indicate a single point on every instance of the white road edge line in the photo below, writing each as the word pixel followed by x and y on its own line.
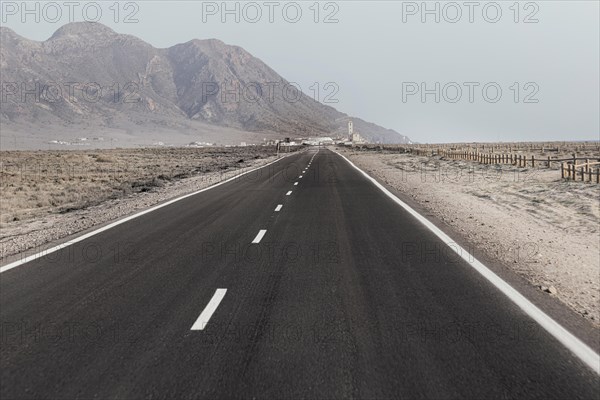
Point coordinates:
pixel 210 309
pixel 259 236
pixel 570 341
pixel 41 254
pixel 288 193
pixel 279 207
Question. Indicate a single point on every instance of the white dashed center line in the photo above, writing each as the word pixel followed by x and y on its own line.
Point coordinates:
pixel 260 235
pixel 203 319
pixel 295 183
pixel 288 193
pixel 278 208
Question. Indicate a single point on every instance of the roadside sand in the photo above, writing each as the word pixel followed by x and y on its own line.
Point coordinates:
pixel 545 229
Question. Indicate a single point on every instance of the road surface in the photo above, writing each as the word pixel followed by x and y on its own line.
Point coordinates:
pixel 273 286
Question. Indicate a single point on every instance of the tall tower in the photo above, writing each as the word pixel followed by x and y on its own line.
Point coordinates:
pixel 350 130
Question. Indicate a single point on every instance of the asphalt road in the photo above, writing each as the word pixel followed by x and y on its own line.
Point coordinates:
pixel 345 295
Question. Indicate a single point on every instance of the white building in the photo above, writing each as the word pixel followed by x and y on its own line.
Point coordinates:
pixel 350 130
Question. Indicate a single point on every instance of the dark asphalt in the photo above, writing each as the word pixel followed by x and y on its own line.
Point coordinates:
pixel 346 296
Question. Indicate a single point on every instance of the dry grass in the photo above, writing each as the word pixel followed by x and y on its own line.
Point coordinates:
pixel 37 183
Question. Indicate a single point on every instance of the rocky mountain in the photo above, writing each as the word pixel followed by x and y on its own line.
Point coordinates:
pixel 88 75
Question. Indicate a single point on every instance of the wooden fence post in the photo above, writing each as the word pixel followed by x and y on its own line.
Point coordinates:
pixel 570 170
pixel 562 170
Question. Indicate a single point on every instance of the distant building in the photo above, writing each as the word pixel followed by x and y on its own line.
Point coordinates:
pixel 319 141
pixel 350 130
pixel 357 139
pixel 354 137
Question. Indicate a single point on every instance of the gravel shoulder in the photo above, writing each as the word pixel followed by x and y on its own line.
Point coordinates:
pixel 545 229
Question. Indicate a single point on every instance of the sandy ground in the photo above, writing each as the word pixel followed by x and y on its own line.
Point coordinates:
pixel 35 234
pixel 545 229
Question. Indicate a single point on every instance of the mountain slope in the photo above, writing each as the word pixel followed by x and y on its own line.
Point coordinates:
pixel 87 74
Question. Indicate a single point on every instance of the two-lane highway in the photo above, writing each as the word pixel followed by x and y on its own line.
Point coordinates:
pixel 298 280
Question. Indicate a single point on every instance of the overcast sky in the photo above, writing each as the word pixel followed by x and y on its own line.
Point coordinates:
pixel 381 55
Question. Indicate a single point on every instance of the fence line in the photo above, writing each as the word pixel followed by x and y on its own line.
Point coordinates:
pixel 587 171
pixel 571 170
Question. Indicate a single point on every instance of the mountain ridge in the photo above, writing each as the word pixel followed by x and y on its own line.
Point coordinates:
pixel 123 80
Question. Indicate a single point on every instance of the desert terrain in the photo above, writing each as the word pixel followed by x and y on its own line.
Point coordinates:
pixel 49 195
pixel 541 226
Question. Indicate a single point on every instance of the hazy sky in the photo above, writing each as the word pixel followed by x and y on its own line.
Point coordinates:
pixel 381 55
